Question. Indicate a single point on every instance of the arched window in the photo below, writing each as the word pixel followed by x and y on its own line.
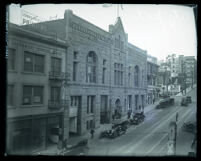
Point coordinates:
pixel 136 76
pixel 91 67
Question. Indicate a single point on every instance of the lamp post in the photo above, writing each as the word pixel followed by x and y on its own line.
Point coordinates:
pixel 172 138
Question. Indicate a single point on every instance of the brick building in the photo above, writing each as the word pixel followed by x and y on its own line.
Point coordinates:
pixel 36 101
pixel 107 77
pixel 108 74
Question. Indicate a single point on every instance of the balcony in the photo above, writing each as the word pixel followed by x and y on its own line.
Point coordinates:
pixel 57 104
pixel 55 75
pixel 73 112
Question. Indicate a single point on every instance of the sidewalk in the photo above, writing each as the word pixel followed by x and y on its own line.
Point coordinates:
pixel 187 91
pixel 91 142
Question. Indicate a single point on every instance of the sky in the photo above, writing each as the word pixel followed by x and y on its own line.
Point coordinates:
pixel 159 29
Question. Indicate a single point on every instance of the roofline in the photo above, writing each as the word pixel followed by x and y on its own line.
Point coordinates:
pixel 17 30
pixel 141 50
pixel 92 24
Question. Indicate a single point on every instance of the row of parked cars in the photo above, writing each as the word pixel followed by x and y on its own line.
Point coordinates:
pixel 120 128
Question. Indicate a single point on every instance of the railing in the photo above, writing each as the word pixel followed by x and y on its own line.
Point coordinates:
pixel 58 75
pixel 57 104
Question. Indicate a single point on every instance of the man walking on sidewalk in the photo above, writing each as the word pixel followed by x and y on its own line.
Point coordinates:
pixel 92 133
pixel 177 115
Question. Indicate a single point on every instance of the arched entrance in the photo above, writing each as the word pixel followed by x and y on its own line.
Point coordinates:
pixel 118 109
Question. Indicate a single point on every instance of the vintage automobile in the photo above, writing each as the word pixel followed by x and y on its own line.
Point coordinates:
pixel 117 130
pixel 189 127
pixel 165 102
pixel 137 118
pixel 184 102
pixel 188 99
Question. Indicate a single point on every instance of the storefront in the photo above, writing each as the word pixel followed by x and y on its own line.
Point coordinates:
pixel 28 135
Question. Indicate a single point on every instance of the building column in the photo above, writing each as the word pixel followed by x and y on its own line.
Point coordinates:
pixel 66 121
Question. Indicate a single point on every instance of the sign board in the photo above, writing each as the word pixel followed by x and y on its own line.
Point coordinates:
pixel 29 18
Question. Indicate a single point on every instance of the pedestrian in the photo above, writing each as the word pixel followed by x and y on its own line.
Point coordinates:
pixel 129 114
pixel 65 144
pixel 177 115
pixel 92 133
pixel 153 100
pixel 59 147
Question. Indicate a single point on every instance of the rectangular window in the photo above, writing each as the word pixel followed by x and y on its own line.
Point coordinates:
pixel 74 71
pixel 75 54
pixel 104 62
pixel 104 103
pixel 136 102
pixel 91 124
pixel 121 78
pixel 90 104
pixel 10 95
pixel 33 62
pixel 129 79
pixel 28 62
pixel 129 101
pixel 118 74
pixel 103 77
pixel 27 95
pixel 55 94
pixel 87 125
pixel 56 66
pixel 32 95
pixel 11 59
pixel 39 63
pixel 37 95
pixel 74 101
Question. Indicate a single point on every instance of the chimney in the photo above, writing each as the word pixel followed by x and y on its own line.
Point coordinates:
pixel 68 13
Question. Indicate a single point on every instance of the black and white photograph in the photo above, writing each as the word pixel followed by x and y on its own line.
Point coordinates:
pixel 101 80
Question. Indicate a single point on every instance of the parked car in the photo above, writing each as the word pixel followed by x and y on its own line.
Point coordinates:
pixel 137 118
pixel 117 130
pixel 184 102
pixel 189 127
pixel 188 99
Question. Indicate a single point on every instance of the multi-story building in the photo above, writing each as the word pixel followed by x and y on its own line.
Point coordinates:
pixel 182 70
pixel 108 74
pixel 36 98
pixel 107 77
pixel 173 62
pixel 152 78
pixel 190 69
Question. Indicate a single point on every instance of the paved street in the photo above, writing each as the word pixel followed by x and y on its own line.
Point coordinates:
pixel 150 137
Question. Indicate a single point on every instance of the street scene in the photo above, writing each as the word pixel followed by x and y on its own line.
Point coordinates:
pixel 78 88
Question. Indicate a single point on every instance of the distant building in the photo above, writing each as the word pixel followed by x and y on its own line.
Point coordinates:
pixel 152 78
pixel 190 69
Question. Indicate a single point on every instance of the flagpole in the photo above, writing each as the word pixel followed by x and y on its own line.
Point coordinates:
pixel 117 10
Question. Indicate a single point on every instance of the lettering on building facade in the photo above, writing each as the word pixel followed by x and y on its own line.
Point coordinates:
pixel 93 35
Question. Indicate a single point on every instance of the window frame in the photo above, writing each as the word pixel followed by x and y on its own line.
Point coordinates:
pixel 13 98
pixel 91 77
pixel 32 95
pixel 14 53
pixel 33 55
